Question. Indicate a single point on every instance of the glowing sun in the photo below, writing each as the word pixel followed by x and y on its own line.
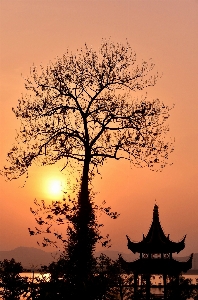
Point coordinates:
pixel 54 188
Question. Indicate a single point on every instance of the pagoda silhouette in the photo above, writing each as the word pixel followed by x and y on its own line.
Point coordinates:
pixel 156 251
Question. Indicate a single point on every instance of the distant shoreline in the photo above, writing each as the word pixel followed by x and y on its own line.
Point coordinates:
pixel 191 272
pixel 33 258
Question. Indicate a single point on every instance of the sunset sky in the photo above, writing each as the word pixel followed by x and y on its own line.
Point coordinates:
pixel 37 31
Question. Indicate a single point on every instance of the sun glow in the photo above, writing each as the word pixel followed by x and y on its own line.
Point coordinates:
pixel 54 188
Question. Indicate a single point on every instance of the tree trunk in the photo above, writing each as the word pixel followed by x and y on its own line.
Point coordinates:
pixel 84 239
pixel 83 199
pixel 85 215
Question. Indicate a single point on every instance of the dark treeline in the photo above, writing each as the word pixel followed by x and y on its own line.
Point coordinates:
pixel 108 281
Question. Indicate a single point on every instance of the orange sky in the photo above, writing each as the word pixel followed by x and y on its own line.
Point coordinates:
pixel 166 31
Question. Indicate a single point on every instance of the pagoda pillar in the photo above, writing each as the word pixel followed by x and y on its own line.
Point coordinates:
pixel 135 285
pixel 148 283
pixel 177 286
pixel 165 287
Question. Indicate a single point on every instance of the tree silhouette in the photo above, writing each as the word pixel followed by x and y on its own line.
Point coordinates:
pixel 79 108
pixel 12 285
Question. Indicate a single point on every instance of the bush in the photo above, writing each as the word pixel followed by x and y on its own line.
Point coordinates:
pixel 12 285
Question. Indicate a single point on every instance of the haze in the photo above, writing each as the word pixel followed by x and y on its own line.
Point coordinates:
pixel 166 31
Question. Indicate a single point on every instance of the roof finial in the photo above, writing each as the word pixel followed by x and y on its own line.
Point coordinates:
pixel 156 205
pixel 155 211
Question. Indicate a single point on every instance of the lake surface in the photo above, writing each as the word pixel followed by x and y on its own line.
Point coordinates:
pixel 155 280
pixel 36 275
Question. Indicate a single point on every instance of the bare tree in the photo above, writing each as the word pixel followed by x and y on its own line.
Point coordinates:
pixel 80 108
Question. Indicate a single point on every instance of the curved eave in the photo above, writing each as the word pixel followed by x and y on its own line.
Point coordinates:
pixel 187 265
pixel 134 247
pixel 177 247
pixel 156 246
pixel 159 266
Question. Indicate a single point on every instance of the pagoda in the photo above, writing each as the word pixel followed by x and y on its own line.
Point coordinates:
pixel 156 251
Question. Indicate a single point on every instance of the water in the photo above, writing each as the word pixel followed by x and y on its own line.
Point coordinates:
pixel 34 275
pixel 158 280
pixel 155 280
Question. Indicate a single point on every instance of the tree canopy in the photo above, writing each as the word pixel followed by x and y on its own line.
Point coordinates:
pixel 80 108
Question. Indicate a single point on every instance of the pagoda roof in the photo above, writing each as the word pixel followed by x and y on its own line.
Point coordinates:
pixel 158 266
pixel 156 241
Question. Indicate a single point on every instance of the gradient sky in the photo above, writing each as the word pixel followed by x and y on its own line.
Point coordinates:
pixel 37 31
